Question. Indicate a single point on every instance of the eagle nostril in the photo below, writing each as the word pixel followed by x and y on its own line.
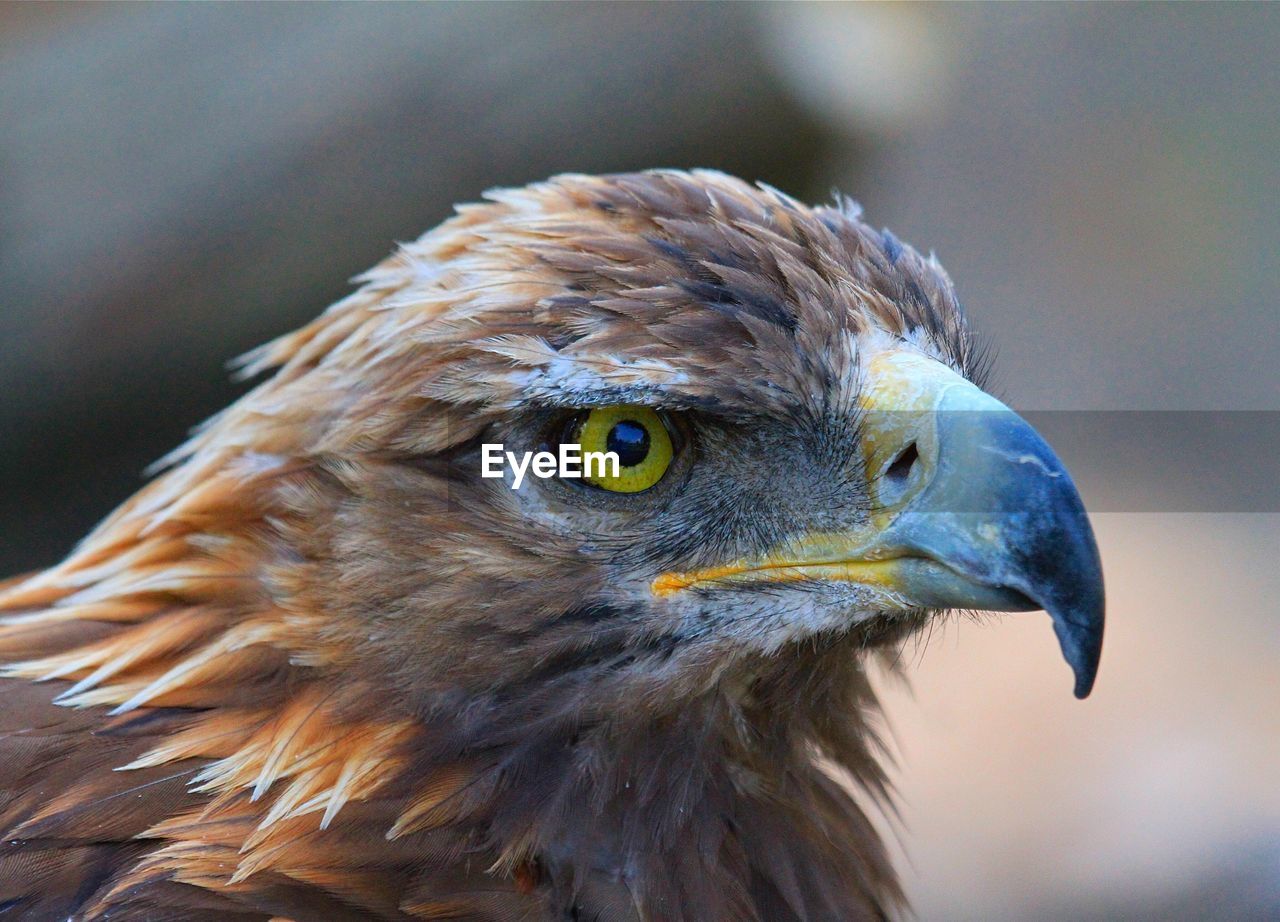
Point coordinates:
pixel 900 470
pixel 897 476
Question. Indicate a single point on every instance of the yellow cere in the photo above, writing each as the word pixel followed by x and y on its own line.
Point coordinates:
pixel 900 392
pixel 641 440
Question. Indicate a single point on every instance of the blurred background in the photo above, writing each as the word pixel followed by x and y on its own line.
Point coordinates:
pixel 179 183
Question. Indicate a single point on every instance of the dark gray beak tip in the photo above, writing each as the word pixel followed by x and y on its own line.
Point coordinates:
pixel 1079 625
pixel 1082 650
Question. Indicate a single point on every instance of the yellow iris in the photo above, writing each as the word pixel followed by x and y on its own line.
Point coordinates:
pixel 640 439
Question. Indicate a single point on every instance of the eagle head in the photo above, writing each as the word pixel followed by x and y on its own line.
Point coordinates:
pixel 356 617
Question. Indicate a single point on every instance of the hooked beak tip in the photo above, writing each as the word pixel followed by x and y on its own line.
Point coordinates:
pixel 1079 631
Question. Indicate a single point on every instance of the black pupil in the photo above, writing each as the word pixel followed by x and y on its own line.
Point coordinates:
pixel 630 441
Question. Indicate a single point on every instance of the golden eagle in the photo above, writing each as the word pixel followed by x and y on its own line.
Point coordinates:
pixel 322 669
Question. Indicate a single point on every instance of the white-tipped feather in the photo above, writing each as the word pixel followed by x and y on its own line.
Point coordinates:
pixel 237 638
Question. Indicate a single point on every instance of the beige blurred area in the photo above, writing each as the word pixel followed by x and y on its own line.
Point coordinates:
pixel 1157 798
pixel 180 182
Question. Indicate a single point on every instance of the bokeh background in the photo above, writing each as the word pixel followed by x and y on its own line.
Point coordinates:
pixel 179 183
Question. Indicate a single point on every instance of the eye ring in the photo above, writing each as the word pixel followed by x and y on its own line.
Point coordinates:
pixel 641 438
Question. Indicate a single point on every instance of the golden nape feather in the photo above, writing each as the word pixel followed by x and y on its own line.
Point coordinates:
pixel 322 668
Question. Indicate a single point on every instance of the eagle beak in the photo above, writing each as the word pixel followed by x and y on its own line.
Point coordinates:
pixel 972 510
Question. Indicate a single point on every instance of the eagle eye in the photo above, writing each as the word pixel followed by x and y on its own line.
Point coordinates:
pixel 638 435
